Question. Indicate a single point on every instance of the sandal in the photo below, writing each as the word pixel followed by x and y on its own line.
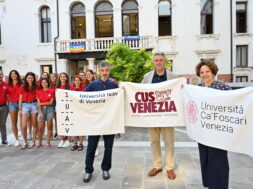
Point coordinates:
pixel 37 146
pixel 47 146
pixel 80 147
pixel 75 147
pixel 25 146
pixel 32 146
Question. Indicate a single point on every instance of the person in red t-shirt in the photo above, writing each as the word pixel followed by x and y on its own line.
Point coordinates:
pixel 53 81
pixel 45 97
pixel 82 75
pixel 42 76
pixel 28 105
pixel 77 86
pixel 3 108
pixel 14 85
pixel 63 83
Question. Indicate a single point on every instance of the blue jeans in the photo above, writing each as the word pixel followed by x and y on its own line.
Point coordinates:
pixel 3 118
pixel 29 108
pixel 13 106
pixel 91 149
pixel 48 114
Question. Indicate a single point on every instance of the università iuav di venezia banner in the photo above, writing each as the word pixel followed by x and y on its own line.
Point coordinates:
pixel 221 119
pixel 90 113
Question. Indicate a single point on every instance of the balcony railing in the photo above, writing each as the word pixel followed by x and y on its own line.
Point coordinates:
pixel 102 44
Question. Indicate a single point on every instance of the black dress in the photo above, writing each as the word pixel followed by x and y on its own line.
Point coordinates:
pixel 214 161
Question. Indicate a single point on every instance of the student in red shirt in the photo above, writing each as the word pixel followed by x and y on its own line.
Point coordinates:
pixel 77 86
pixel 63 83
pixel 3 108
pixel 14 85
pixel 43 75
pixel 28 106
pixel 53 81
pixel 82 75
pixel 45 97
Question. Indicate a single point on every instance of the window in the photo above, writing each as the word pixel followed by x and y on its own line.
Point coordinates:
pixel 241 17
pixel 241 56
pixel 130 18
pixel 45 20
pixel 78 21
pixel 164 20
pixel 206 16
pixel 240 79
pixel 46 68
pixel 104 19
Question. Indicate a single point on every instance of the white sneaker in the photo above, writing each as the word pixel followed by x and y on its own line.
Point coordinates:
pixel 60 145
pixel 66 145
pixel 97 152
pixel 16 143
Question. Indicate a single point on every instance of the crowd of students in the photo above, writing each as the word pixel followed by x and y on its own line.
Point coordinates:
pixel 34 104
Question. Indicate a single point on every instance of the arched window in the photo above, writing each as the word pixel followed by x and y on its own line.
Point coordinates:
pixel 130 24
pixel 206 16
pixel 45 22
pixel 78 21
pixel 104 19
pixel 164 12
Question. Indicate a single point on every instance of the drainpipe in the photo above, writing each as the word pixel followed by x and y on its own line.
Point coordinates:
pixel 55 39
pixel 231 40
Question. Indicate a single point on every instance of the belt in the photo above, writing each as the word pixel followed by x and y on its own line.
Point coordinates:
pixel 2 105
pixel 29 102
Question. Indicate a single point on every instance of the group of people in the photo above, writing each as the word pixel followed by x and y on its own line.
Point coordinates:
pixel 36 101
pixel 33 103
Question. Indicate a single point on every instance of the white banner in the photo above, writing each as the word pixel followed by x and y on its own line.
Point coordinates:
pixel 90 113
pixel 154 105
pixel 221 119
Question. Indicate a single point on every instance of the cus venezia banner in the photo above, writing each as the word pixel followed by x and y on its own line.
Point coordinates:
pixel 90 113
pixel 154 105
pixel 220 119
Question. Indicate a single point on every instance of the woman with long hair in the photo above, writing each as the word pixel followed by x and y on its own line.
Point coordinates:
pixel 45 97
pixel 90 76
pixel 14 85
pixel 28 106
pixel 77 86
pixel 63 83
pixel 53 82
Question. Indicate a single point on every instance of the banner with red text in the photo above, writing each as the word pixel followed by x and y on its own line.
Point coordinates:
pixel 220 119
pixel 154 105
pixel 90 113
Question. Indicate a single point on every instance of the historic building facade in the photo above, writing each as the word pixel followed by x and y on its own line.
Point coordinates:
pixel 73 35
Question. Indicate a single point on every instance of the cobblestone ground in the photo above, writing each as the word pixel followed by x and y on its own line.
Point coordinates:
pixel 132 159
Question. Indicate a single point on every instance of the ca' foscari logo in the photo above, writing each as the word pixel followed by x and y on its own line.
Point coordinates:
pixel 150 102
pixel 191 111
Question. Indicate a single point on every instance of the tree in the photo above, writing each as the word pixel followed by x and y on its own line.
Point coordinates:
pixel 129 64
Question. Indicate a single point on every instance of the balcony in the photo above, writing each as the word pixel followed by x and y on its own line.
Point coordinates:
pixel 102 44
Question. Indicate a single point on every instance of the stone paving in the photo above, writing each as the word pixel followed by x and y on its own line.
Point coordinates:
pixel 62 168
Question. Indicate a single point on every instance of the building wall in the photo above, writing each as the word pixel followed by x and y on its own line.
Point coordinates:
pixel 21 48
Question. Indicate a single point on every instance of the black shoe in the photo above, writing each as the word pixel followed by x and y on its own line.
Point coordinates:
pixel 75 147
pixel 106 175
pixel 87 177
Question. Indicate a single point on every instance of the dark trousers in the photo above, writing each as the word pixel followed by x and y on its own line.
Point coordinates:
pixel 3 117
pixel 214 167
pixel 91 149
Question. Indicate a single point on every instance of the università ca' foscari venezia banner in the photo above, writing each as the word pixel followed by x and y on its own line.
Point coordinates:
pixel 221 119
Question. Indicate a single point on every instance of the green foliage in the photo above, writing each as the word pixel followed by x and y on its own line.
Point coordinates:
pixel 128 64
